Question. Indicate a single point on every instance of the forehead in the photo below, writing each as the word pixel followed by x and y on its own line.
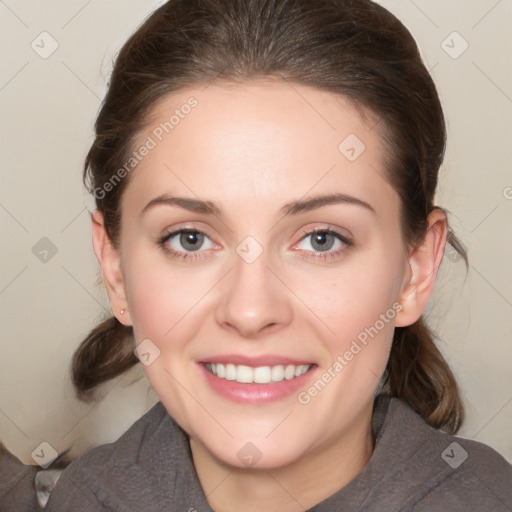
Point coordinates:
pixel 258 143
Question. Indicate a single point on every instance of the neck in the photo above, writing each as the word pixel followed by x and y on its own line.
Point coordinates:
pixel 298 486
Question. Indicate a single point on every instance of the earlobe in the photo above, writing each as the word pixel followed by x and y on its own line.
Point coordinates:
pixel 424 261
pixel 110 262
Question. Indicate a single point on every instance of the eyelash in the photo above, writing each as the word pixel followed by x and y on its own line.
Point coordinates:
pixel 183 255
pixel 325 256
pixel 312 255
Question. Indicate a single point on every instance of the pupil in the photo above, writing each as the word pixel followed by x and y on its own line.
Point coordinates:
pixel 322 241
pixel 191 241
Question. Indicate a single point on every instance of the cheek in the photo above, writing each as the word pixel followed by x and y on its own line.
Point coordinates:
pixel 161 296
pixel 165 305
pixel 358 303
pixel 354 297
pixel 151 306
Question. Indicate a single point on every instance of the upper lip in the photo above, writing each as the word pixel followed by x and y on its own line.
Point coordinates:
pixel 254 361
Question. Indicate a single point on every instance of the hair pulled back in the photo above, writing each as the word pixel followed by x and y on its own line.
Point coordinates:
pixel 354 48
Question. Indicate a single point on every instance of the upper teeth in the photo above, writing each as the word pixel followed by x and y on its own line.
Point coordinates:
pixel 259 375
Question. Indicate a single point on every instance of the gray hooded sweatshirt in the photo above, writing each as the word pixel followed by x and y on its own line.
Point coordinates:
pixel 413 468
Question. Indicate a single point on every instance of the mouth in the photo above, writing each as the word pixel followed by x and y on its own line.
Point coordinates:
pixel 269 379
pixel 257 375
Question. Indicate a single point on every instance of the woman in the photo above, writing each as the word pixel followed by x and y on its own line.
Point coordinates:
pixel 264 174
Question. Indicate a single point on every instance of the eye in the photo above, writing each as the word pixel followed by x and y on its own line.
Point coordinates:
pixel 186 240
pixel 318 241
pixel 323 240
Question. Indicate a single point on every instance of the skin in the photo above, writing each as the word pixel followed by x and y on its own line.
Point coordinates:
pixel 250 149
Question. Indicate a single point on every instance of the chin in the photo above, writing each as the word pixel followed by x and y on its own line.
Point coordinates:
pixel 256 455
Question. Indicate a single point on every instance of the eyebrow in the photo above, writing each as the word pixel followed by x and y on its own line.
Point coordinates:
pixel 292 208
pixel 193 205
pixel 313 203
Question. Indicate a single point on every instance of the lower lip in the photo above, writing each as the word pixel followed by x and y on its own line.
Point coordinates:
pixel 255 393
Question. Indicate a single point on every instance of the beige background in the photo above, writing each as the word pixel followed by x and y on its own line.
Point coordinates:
pixel 48 106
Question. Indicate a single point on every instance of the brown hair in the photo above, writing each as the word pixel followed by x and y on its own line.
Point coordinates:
pixel 354 48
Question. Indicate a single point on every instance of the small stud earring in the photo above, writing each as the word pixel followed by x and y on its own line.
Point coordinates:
pixel 122 311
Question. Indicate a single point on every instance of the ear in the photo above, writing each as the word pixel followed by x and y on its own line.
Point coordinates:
pixel 424 261
pixel 110 262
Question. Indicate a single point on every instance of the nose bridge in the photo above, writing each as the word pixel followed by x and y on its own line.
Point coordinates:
pixel 252 298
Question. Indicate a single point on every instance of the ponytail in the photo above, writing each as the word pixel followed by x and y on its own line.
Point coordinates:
pixel 418 374
pixel 104 354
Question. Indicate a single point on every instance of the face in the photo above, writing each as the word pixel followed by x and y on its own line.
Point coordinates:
pixel 260 241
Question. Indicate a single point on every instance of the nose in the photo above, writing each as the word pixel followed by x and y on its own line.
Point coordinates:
pixel 253 301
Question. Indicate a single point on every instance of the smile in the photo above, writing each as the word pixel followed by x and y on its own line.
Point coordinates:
pixel 257 375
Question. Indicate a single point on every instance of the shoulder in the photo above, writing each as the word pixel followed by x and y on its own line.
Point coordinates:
pixel 16 484
pixel 131 447
pixel 477 477
pixel 123 470
pixel 448 471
